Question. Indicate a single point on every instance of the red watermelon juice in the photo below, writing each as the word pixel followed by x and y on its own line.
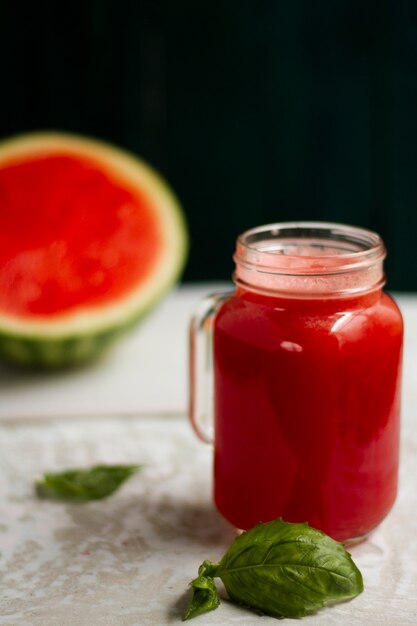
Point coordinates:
pixel 307 366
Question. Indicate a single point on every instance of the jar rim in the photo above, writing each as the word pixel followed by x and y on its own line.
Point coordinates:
pixel 309 248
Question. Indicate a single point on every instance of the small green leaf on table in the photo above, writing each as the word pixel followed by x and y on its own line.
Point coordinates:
pixel 83 485
pixel 205 597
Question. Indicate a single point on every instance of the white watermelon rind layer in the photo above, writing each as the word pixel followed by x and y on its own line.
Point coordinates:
pixel 79 335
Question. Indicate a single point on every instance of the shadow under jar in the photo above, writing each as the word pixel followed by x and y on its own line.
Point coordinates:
pixel 307 369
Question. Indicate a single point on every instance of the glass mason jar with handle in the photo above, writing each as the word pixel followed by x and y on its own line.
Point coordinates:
pixel 300 367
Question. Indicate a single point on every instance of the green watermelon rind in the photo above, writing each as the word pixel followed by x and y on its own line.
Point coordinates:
pixel 73 338
pixel 39 352
pixel 68 351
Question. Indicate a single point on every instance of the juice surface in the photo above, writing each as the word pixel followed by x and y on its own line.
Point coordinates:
pixel 307 395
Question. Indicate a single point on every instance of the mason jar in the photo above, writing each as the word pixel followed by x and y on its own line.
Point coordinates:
pixel 300 370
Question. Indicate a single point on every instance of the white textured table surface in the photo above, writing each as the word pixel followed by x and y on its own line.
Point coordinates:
pixel 127 560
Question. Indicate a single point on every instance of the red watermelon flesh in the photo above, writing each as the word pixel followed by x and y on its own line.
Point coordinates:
pixel 71 235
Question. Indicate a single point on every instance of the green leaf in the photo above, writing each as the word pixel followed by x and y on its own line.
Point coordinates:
pixel 280 569
pixel 288 570
pixel 205 597
pixel 83 485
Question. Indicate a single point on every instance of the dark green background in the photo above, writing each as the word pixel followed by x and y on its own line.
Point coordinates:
pixel 255 111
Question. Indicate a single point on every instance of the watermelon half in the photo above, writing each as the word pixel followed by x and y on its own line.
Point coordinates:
pixel 90 238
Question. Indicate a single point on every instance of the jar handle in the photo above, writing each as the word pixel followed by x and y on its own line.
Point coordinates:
pixel 201 381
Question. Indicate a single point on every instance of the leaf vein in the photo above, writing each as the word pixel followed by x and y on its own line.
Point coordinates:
pixel 281 565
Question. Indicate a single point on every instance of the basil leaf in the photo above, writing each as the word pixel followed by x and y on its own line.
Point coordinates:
pixel 288 570
pixel 83 485
pixel 280 569
pixel 205 597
